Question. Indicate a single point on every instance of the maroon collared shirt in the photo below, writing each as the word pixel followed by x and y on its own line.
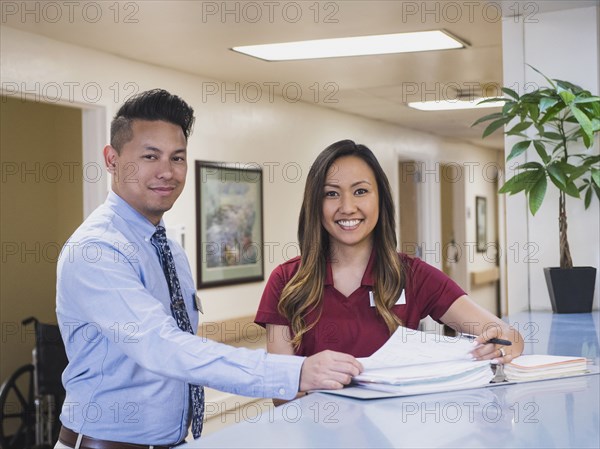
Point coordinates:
pixel 350 324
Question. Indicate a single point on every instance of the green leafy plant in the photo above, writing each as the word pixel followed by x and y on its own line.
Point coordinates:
pixel 550 121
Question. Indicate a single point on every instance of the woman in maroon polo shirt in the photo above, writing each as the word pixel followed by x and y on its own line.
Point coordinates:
pixel 350 289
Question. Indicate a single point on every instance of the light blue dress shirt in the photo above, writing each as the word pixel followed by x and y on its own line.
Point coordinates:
pixel 129 364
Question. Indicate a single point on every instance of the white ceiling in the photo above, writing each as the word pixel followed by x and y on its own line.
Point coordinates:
pixel 195 37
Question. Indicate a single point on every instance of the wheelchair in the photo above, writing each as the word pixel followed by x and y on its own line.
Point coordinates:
pixel 31 398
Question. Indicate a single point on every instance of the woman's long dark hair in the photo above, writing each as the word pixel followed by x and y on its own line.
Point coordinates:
pixel 304 292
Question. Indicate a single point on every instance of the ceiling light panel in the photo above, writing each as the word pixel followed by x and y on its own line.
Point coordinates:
pixel 353 46
pixel 449 105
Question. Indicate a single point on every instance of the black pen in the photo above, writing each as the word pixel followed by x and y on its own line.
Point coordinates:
pixel 496 341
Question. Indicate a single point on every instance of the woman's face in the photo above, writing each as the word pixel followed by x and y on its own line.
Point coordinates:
pixel 350 202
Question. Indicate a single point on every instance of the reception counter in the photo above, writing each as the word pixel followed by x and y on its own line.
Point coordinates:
pixel 558 413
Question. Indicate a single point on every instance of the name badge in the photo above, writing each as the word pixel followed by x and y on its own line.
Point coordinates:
pixel 198 303
pixel 401 300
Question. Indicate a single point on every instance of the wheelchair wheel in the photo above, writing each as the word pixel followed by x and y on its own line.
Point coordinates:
pixel 17 410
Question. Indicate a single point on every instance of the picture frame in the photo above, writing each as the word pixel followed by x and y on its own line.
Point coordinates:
pixel 481 223
pixel 229 223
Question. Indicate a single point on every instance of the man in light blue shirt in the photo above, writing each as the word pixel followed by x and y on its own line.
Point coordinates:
pixel 130 365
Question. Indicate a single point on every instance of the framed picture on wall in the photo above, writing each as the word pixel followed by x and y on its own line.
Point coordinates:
pixel 481 222
pixel 229 224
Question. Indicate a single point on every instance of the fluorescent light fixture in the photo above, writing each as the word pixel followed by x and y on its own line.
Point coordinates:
pixel 450 105
pixel 353 46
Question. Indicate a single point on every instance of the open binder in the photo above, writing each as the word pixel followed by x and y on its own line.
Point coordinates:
pixel 413 362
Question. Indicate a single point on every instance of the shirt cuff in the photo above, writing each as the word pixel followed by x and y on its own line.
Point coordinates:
pixel 283 378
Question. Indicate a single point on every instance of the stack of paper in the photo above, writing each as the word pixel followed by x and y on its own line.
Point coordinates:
pixel 413 362
pixel 534 367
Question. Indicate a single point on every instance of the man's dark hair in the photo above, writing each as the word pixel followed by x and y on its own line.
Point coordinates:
pixel 155 104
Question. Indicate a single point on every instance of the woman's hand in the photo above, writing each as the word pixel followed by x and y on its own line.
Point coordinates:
pixel 498 353
pixel 466 317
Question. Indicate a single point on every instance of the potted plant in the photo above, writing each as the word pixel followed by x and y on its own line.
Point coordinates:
pixel 549 123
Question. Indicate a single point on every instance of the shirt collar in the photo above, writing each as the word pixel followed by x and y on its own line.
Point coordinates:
pixel 367 278
pixel 329 274
pixel 138 222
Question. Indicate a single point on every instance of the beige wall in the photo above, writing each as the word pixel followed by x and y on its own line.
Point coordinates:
pixel 483 185
pixel 41 203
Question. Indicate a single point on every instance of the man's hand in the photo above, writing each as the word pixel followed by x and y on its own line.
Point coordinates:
pixel 328 370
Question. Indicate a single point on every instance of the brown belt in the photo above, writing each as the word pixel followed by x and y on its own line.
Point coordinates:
pixel 69 438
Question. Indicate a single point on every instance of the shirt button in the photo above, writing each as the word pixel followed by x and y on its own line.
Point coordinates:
pixel 282 391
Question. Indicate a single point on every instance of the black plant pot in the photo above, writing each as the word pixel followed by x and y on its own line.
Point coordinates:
pixel 571 289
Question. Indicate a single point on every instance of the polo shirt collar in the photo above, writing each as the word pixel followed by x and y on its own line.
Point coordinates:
pixel 367 278
pixel 329 275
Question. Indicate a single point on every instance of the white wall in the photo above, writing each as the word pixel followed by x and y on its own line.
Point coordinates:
pixel 231 131
pixel 571 54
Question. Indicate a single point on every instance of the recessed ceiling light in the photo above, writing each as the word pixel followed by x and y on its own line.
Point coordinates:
pixel 354 46
pixel 449 105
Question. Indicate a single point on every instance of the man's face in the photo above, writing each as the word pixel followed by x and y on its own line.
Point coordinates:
pixel 149 173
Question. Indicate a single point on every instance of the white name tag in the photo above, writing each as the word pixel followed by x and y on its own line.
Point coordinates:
pixel 198 303
pixel 401 300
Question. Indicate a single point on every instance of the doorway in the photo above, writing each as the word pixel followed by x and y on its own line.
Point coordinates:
pixel 409 177
pixel 453 218
pixel 51 179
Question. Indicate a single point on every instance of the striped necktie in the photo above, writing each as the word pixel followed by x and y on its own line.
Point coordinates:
pixel 179 312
